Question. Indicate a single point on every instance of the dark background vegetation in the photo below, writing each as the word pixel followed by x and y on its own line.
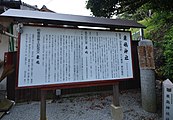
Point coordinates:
pixel 156 15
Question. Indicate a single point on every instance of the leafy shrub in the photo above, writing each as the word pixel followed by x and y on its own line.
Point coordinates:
pixel 160 31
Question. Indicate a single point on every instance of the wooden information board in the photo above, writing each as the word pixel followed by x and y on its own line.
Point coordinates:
pixel 52 56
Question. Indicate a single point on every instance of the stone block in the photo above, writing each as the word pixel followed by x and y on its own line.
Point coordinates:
pixel 117 112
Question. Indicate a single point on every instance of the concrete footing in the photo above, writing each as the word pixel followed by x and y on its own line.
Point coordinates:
pixel 117 112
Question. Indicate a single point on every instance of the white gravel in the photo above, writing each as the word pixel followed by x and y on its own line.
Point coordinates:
pixel 85 107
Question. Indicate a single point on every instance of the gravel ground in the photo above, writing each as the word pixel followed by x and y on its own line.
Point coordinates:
pixel 85 107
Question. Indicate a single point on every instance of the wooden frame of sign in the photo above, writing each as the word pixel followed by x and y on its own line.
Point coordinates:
pixel 51 57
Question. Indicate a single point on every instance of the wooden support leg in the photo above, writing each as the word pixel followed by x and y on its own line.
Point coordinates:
pixel 117 112
pixel 43 105
pixel 116 95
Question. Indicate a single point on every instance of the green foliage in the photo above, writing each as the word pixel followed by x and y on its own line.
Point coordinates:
pixel 102 8
pixel 168 53
pixel 159 25
pixel 107 8
pixel 160 30
pixel 139 14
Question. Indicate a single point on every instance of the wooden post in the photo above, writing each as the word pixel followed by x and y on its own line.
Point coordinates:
pixel 43 105
pixel 116 94
pixel 117 111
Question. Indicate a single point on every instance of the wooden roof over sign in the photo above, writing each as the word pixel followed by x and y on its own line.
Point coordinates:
pixel 66 19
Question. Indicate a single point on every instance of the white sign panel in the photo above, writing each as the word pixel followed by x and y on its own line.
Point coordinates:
pixel 58 55
pixel 167 100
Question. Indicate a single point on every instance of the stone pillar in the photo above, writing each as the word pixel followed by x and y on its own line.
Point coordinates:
pixel 147 75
